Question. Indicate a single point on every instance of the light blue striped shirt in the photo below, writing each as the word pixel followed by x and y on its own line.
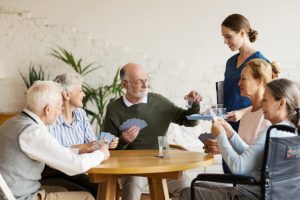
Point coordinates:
pixel 79 132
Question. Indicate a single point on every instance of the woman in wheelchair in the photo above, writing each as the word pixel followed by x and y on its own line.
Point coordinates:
pixel 280 105
pixel 254 77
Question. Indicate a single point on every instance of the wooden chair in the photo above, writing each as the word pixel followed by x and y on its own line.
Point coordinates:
pixel 6 116
pixel 6 191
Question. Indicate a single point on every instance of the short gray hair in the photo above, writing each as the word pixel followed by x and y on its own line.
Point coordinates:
pixel 69 80
pixel 41 94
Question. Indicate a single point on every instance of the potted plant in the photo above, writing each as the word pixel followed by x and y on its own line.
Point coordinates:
pixel 34 75
pixel 96 100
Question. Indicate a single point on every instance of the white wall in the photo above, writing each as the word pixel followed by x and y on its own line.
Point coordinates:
pixel 179 41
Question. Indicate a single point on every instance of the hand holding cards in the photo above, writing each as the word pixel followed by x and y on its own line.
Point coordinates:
pixel 130 134
pixel 204 136
pixel 133 122
pixel 131 128
pixel 107 136
pixel 104 138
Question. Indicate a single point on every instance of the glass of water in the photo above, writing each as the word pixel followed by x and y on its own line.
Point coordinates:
pixel 162 145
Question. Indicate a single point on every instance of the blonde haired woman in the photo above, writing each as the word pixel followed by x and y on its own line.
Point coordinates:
pixel 255 75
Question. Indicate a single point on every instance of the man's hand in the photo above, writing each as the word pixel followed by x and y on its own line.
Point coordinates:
pixel 130 134
pixel 114 143
pixel 105 151
pixel 84 148
pixel 193 96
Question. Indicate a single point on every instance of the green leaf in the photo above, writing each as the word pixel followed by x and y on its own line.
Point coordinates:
pixel 68 58
pixel 33 75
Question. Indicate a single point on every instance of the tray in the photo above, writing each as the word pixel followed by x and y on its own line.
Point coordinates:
pixel 199 117
pixel 206 117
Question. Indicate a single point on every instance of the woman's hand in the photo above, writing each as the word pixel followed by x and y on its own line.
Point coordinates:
pixel 236 115
pixel 216 128
pixel 233 116
pixel 229 130
pixel 211 147
pixel 114 143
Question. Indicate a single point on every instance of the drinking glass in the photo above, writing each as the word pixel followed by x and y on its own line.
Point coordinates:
pixel 162 145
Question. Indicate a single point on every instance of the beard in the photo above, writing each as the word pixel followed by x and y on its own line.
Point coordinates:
pixel 141 95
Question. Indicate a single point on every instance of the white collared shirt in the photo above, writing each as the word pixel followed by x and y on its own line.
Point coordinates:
pixel 128 103
pixel 38 144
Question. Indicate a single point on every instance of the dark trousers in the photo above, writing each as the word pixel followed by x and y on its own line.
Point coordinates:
pixel 53 177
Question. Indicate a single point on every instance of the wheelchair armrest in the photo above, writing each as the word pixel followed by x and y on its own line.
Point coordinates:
pixel 226 178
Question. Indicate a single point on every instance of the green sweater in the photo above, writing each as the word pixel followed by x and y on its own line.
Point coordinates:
pixel 158 113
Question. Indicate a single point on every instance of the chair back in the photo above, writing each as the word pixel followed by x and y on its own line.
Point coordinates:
pixel 5 190
pixel 220 92
pixel 281 166
pixel 5 116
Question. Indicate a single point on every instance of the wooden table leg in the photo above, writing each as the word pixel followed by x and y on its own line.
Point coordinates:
pixel 107 189
pixel 158 189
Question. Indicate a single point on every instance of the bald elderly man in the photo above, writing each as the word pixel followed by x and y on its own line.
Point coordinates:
pixel 157 111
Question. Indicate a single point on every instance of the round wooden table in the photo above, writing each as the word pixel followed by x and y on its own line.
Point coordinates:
pixel 145 163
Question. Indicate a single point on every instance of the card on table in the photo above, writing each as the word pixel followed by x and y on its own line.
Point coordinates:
pixel 204 136
pixel 133 122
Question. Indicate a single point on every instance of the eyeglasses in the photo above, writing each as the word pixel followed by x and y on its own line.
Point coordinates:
pixel 138 82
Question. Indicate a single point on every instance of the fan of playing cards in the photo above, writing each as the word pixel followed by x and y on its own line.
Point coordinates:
pixel 133 122
pixel 106 136
pixel 204 136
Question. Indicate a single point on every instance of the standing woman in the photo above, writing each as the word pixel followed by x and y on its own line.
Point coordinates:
pixel 238 35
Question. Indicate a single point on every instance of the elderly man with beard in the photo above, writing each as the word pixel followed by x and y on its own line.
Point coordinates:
pixel 157 112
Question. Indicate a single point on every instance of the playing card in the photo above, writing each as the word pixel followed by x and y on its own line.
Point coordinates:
pixel 107 136
pixel 204 136
pixel 133 122
pixel 142 124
